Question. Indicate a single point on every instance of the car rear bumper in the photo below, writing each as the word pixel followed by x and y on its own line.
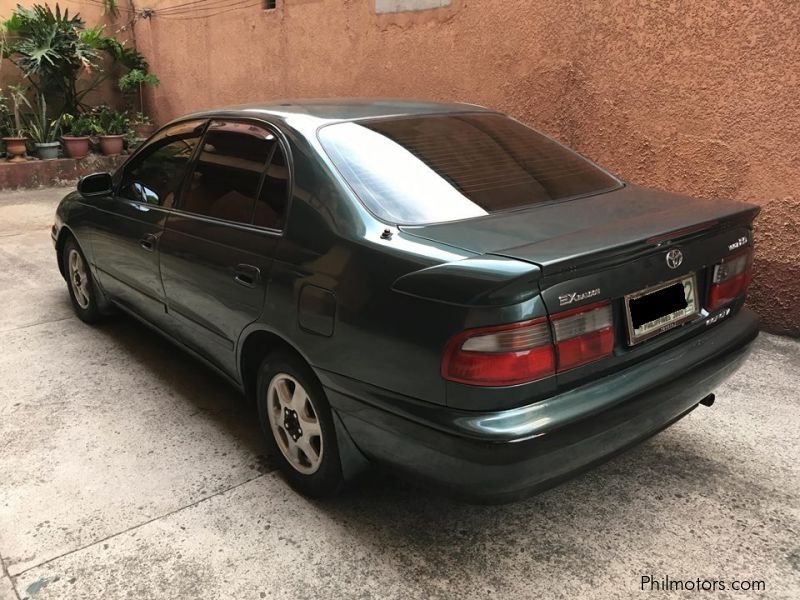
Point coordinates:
pixel 504 455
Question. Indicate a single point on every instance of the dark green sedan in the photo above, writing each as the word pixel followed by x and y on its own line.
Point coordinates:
pixel 432 287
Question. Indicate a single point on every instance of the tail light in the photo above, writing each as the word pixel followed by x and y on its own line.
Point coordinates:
pixel 730 279
pixel 583 335
pixel 497 356
pixel 525 352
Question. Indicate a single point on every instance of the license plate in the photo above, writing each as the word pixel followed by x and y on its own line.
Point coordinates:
pixel 660 308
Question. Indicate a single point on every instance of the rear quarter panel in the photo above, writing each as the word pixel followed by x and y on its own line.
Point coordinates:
pixel 380 336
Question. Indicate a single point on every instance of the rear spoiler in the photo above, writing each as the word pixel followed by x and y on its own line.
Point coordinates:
pixel 480 281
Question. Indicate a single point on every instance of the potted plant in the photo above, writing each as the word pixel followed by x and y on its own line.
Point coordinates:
pixel 76 134
pixel 15 141
pixel 44 131
pixel 134 82
pixel 142 125
pixel 113 127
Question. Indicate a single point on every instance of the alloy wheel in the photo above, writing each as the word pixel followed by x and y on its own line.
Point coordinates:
pixel 294 422
pixel 79 279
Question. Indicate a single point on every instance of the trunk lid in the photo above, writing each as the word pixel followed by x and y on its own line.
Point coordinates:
pixel 588 232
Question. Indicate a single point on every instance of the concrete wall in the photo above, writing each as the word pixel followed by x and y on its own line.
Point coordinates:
pixel 697 97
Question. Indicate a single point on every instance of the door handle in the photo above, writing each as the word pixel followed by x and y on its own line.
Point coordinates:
pixel 247 275
pixel 148 242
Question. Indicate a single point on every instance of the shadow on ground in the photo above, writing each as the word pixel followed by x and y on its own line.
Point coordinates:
pixel 190 379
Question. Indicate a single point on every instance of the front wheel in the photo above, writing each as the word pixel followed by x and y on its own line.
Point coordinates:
pixel 81 285
pixel 297 423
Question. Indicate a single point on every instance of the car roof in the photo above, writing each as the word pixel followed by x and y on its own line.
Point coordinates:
pixel 341 109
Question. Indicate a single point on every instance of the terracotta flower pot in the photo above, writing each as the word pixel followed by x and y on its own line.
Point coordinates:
pixel 75 147
pixel 143 130
pixel 15 147
pixel 111 144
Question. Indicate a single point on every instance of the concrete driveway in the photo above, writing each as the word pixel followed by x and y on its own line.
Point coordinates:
pixel 127 470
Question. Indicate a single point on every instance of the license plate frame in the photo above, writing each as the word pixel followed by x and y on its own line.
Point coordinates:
pixel 676 318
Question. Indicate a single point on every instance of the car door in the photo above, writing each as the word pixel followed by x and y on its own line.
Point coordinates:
pixel 127 232
pixel 217 247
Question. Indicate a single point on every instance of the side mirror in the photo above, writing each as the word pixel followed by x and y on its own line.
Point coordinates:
pixel 96 184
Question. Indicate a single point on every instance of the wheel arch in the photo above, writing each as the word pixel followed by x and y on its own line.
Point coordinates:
pixel 63 235
pixel 255 344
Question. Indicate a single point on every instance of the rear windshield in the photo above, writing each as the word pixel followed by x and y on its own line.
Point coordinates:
pixel 432 169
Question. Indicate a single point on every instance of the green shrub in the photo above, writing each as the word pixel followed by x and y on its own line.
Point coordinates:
pixel 48 48
pixel 82 125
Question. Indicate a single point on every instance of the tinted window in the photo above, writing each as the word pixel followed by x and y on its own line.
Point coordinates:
pixel 156 173
pixel 271 205
pixel 227 176
pixel 443 168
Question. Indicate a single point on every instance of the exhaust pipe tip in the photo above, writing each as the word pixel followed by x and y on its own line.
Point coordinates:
pixel 708 400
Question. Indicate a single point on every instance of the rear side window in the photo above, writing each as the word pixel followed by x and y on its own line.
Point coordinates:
pixel 444 168
pixel 155 174
pixel 226 179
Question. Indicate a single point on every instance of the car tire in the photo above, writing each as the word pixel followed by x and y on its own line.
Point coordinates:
pixel 80 283
pixel 298 425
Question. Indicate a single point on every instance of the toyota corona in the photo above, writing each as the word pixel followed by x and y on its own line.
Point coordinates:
pixel 436 288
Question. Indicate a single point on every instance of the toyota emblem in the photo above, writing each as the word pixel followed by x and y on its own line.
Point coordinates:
pixel 674 258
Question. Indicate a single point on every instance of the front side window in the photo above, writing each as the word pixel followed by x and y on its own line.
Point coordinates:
pixel 434 168
pixel 226 179
pixel 156 173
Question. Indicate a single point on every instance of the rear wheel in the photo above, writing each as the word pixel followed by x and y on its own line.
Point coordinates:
pixel 297 423
pixel 81 285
